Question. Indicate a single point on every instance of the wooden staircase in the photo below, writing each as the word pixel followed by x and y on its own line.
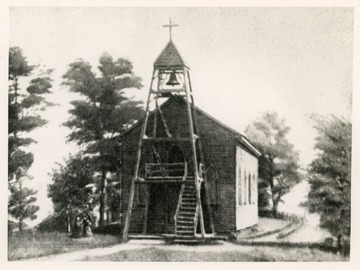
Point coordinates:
pixel 186 217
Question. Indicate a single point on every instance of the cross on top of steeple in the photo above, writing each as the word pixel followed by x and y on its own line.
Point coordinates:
pixel 170 25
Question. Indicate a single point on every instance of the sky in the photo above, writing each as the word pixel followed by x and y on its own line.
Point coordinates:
pixel 243 61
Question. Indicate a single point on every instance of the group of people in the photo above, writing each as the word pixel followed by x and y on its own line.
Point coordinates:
pixel 82 226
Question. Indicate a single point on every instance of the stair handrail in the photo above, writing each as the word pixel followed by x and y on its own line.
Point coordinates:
pixel 179 205
pixel 196 218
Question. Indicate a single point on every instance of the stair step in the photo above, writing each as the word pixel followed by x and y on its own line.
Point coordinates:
pixel 185 233
pixel 188 237
pixel 192 204
pixel 187 218
pixel 187 221
pixel 188 208
pixel 183 212
pixel 184 199
pixel 187 201
pixel 185 225
pixel 187 213
pixel 189 198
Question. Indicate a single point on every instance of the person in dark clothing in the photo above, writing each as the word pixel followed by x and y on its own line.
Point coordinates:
pixel 78 227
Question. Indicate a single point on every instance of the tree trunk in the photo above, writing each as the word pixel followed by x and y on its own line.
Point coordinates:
pixel 102 199
pixel 275 210
pixel 339 244
pixel 276 199
pixel 275 206
pixel 68 222
pixel 107 216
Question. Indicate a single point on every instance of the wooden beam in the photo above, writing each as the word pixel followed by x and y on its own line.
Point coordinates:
pixel 155 123
pixel 158 181
pixel 206 186
pixel 167 91
pixel 195 163
pixel 163 120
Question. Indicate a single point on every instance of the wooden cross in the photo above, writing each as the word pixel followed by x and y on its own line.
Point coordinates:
pixel 170 25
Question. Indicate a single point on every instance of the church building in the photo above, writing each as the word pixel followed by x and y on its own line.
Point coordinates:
pixel 184 173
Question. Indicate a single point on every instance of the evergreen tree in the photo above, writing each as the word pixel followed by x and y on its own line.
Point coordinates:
pixel 21 204
pixel 103 113
pixel 278 165
pixel 330 175
pixel 24 108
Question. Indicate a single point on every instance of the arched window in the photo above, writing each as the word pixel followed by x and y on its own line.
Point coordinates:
pixel 249 189
pixel 245 188
pixel 239 181
pixel 212 181
pixel 254 189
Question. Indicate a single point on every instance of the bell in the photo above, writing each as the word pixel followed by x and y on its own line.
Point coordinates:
pixel 173 80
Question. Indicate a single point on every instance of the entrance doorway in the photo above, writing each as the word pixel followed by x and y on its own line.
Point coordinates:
pixel 163 203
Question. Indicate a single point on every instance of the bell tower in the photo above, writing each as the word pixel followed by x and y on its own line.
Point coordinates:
pixel 171 77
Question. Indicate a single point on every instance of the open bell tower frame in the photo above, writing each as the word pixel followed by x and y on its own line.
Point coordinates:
pixel 171 76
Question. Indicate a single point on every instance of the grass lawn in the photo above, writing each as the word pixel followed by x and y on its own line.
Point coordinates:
pixel 23 246
pixel 27 246
pixel 253 254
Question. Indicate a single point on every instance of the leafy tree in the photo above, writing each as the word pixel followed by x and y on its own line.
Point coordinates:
pixel 24 108
pixel 21 204
pixel 68 190
pixel 278 165
pixel 330 175
pixel 103 113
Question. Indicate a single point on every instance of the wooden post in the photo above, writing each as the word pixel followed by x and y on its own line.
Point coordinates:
pixel 195 163
pixel 207 193
pixel 138 156
pixel 155 122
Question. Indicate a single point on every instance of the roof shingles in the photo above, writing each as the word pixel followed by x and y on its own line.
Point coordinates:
pixel 170 57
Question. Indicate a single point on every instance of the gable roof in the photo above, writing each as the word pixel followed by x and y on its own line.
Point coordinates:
pixel 169 57
pixel 238 136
